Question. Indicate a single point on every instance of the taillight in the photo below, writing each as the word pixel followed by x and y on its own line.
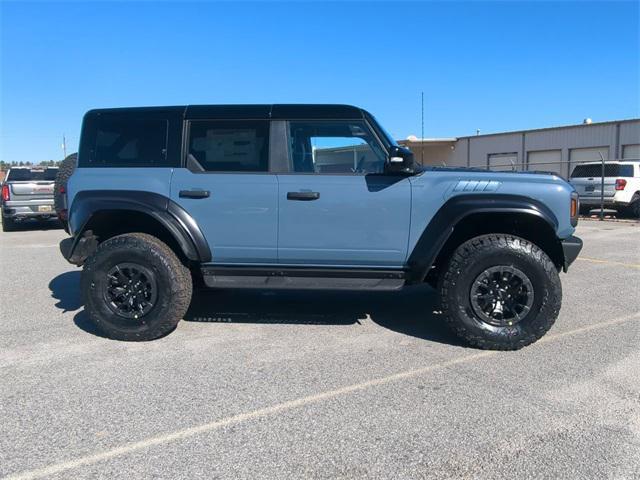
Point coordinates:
pixel 621 183
pixel 62 189
pixel 6 194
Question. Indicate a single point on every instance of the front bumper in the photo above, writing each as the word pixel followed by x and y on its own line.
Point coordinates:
pixel 571 248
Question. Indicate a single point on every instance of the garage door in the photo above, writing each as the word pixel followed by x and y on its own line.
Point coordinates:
pixel 545 161
pixel 588 154
pixel 503 162
pixel 578 155
pixel 631 152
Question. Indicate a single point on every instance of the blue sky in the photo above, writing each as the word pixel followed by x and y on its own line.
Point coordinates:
pixel 489 65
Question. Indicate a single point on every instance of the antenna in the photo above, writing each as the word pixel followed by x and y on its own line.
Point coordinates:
pixel 64 146
pixel 422 128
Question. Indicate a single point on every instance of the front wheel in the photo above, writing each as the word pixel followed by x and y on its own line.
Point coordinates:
pixel 135 288
pixel 500 292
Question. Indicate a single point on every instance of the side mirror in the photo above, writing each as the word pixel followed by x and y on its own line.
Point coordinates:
pixel 400 160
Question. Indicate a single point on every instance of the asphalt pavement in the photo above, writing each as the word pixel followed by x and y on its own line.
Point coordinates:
pixel 262 385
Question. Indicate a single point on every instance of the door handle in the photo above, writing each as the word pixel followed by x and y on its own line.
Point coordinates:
pixel 194 194
pixel 303 196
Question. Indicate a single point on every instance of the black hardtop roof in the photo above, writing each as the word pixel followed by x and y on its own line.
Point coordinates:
pixel 270 111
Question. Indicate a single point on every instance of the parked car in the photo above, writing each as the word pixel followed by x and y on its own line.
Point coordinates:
pixel 621 185
pixel 27 194
pixel 305 196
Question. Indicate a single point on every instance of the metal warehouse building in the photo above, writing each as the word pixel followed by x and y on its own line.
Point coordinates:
pixel 555 149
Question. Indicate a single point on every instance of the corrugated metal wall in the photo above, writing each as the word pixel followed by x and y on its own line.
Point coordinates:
pixel 475 151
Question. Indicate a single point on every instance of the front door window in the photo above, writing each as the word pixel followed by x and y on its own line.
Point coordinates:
pixel 334 147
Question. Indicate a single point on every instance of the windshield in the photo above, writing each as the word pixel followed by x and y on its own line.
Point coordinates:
pixel 26 174
pixel 386 136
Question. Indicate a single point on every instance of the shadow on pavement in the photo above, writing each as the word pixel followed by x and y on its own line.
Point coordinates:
pixel 35 225
pixel 66 289
pixel 410 311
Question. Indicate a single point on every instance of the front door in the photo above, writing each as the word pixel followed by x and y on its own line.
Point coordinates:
pixel 227 189
pixel 337 206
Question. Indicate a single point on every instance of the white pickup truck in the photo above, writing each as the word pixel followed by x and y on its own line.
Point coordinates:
pixel 27 194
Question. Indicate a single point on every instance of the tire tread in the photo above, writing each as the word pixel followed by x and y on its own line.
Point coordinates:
pixel 481 245
pixel 180 281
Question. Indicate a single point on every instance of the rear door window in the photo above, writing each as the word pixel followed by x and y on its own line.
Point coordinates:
pixel 595 170
pixel 229 145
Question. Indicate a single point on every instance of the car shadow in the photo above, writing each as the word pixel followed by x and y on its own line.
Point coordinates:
pixel 65 288
pixel 35 225
pixel 411 311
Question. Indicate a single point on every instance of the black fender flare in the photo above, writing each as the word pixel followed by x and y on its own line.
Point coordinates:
pixel 454 210
pixel 169 214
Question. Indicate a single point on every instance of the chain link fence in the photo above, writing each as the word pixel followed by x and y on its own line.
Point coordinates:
pixel 593 179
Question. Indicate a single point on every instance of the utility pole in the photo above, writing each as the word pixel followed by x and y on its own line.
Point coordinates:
pixel 422 129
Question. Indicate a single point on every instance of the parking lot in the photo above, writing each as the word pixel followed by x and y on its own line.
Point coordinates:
pixel 318 385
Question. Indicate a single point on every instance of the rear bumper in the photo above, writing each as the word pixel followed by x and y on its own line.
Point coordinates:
pixel 608 201
pixel 24 212
pixel 571 248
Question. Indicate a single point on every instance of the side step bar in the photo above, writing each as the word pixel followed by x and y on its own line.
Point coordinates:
pixel 302 278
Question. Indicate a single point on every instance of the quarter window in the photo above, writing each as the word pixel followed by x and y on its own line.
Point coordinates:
pixel 334 147
pixel 229 146
pixel 129 142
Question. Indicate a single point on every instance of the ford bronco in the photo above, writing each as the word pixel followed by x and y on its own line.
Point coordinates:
pixel 303 196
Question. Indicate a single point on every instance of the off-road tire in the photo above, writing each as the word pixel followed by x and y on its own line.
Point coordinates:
pixel 8 225
pixel 634 207
pixel 173 282
pixel 475 256
pixel 585 210
pixel 66 169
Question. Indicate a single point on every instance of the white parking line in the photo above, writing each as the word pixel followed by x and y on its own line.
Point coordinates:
pixel 299 402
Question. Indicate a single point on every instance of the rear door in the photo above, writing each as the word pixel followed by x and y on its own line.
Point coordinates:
pixel 337 206
pixel 226 187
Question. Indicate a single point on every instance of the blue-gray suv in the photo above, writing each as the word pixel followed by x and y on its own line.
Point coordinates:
pixel 303 196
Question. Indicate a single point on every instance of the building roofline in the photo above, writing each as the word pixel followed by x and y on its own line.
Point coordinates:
pixel 511 132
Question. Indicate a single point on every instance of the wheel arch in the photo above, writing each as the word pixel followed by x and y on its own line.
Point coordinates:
pixel 98 215
pixel 466 216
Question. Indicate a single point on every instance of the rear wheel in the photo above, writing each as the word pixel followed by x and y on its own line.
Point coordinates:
pixel 8 225
pixel 500 292
pixel 634 208
pixel 135 288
